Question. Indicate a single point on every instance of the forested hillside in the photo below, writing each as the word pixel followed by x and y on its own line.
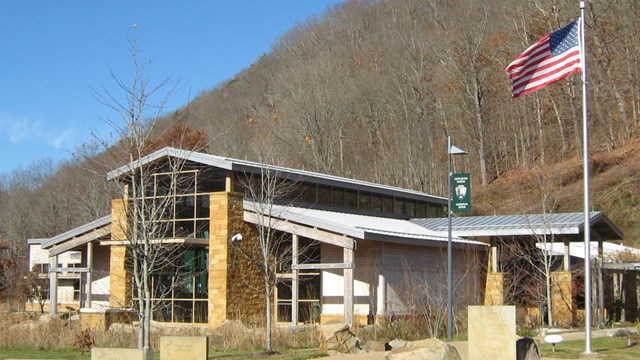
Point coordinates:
pixel 371 90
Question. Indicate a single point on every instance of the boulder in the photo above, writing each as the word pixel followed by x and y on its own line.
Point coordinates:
pixel 378 346
pixel 338 339
pixel 623 332
pixel 397 343
pixel 527 349
pixel 429 349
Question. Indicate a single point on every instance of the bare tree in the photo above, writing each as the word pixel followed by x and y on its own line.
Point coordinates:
pixel 151 191
pixel 265 190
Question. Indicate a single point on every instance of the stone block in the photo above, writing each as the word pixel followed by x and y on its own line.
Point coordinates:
pixel 492 332
pixel 184 348
pixel 116 354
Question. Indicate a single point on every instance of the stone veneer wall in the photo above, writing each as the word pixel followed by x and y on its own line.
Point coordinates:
pixel 236 289
pixel 494 289
pixel 562 301
pixel 120 284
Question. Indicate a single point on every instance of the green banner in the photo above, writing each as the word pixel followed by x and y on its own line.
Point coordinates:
pixel 460 192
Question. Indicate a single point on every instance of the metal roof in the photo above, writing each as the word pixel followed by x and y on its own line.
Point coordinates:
pixel 255 167
pixel 526 225
pixel 576 249
pixel 360 226
pixel 80 230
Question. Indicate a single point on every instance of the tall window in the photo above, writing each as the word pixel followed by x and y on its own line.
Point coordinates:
pixel 180 290
pixel 177 210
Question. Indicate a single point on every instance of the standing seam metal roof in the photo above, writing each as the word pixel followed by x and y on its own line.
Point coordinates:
pixel 528 224
pixel 240 165
pixel 82 229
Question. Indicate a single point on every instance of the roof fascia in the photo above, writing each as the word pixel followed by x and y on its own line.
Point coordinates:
pixel 422 242
pixel 201 158
pixel 240 166
pixel 76 231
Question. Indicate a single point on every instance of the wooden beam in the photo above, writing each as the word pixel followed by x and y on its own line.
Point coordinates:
pixel 348 287
pixel 53 286
pixel 190 241
pixel 89 290
pixel 294 280
pixel 80 240
pixel 68 269
pixel 301 230
pixel 323 266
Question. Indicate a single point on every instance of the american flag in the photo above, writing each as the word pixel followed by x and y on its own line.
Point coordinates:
pixel 552 58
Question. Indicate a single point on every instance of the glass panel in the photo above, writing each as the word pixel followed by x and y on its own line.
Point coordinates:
pixel 364 201
pixel 309 312
pixel 387 204
pixel 398 206
pixel 421 209
pixel 376 202
pixel 183 311
pixel 185 207
pixel 202 229
pixel 284 311
pixel 162 185
pixel 186 182
pixel 351 199
pixel 200 312
pixel 337 197
pixel 184 286
pixel 184 229
pixel 324 195
pixel 411 208
pixel 209 181
pixel 307 192
pixel 162 311
pixel 202 206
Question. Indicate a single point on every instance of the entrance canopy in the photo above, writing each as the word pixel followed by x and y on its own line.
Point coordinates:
pixel 355 226
pixel 570 225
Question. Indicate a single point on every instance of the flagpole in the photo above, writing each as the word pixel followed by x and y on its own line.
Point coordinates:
pixel 585 159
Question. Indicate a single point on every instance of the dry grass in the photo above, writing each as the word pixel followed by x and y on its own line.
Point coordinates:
pixel 32 331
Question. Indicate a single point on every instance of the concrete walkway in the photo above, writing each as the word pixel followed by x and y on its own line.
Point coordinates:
pixel 463 346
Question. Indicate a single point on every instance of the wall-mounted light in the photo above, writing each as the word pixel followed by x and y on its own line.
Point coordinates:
pixel 236 237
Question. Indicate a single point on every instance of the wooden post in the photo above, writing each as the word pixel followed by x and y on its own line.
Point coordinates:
pixel 494 257
pixel 348 287
pixel 382 295
pixel 294 280
pixel 600 281
pixel 565 260
pixel 89 273
pixel 53 286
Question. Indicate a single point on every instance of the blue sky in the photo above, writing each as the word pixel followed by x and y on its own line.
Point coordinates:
pixel 54 55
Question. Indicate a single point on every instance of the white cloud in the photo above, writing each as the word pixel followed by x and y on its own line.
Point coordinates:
pixel 25 129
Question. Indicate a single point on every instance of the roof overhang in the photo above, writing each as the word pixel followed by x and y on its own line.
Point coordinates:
pixel 333 227
pixel 166 241
pixel 79 231
pixel 249 167
pixel 569 225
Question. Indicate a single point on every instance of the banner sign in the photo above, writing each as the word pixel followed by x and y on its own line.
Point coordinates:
pixel 461 194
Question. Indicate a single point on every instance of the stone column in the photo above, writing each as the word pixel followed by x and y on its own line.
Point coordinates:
pixel 562 301
pixel 119 277
pixel 494 289
pixel 119 284
pixel 218 257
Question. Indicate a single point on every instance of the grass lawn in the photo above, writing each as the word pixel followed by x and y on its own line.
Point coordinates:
pixel 606 348
pixel 71 354
pixel 27 353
